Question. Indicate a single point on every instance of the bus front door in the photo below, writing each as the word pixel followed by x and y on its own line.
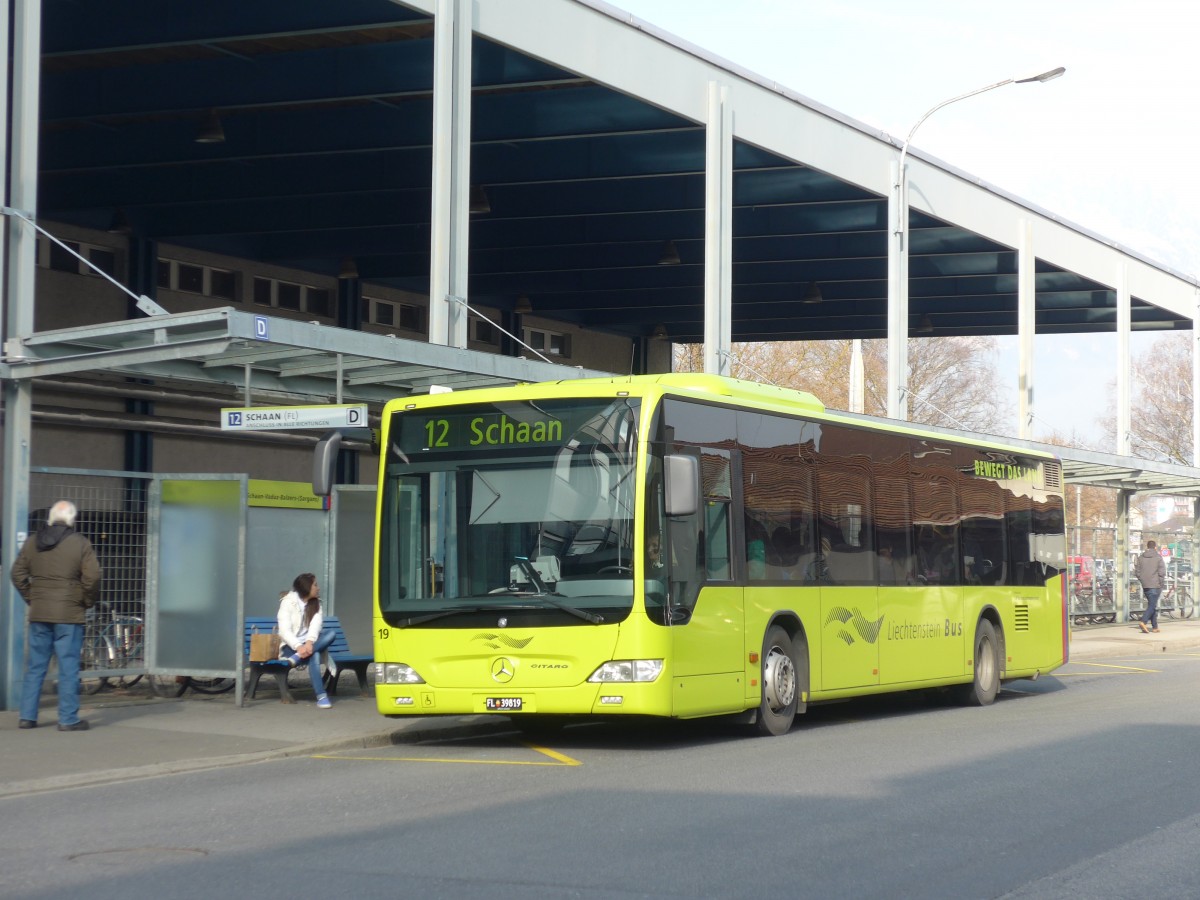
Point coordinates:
pixel 708 622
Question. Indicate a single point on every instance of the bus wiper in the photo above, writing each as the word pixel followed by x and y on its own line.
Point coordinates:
pixel 441 614
pixel 578 613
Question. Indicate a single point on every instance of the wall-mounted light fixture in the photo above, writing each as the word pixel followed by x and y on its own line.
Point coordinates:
pixel 120 223
pixel 669 255
pixel 211 131
pixel 479 202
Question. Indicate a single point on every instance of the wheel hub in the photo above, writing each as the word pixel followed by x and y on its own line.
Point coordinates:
pixel 779 680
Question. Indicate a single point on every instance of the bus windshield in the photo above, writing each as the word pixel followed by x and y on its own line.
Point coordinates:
pixel 520 509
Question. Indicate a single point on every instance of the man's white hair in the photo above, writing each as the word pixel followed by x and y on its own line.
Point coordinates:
pixel 62 513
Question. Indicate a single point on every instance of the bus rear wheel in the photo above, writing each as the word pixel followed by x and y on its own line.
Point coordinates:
pixel 780 683
pixel 986 683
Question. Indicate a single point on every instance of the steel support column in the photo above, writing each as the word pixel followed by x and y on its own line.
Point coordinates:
pixel 718 231
pixel 897 349
pixel 1124 369
pixel 1026 328
pixel 19 148
pixel 451 172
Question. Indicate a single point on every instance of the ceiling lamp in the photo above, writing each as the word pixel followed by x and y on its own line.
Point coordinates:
pixel 660 332
pixel 479 202
pixel 925 326
pixel 523 306
pixel 812 294
pixel 349 269
pixel 669 255
pixel 211 132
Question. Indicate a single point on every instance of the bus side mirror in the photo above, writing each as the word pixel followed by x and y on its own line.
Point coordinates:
pixel 683 484
pixel 324 460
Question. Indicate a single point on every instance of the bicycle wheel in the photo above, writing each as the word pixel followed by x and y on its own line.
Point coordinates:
pixel 211 685
pixel 95 654
pixel 168 685
pixel 1186 605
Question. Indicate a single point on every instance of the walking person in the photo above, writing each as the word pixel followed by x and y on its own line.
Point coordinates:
pixel 301 635
pixel 1150 571
pixel 58 575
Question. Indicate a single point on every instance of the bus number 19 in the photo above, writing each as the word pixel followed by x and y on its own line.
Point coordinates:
pixel 438 430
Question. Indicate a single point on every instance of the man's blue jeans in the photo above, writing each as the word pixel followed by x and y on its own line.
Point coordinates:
pixel 1150 616
pixel 314 661
pixel 64 641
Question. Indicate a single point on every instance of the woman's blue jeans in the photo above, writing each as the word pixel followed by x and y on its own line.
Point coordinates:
pixel 314 661
pixel 65 642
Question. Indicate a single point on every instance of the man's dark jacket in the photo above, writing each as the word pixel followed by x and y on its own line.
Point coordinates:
pixel 58 575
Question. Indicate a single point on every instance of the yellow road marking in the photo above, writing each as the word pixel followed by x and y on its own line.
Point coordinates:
pixel 1108 666
pixel 560 759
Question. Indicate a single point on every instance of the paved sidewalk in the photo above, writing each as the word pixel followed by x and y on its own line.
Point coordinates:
pixel 135 735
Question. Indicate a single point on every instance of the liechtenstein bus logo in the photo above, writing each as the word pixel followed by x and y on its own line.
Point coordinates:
pixel 493 641
pixel 867 630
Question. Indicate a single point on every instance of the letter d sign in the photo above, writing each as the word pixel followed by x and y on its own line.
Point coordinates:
pixel 354 417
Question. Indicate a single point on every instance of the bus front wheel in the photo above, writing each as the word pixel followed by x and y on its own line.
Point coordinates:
pixel 986 683
pixel 780 683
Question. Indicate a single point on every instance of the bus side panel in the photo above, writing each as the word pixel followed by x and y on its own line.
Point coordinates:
pixel 709 651
pixel 923 634
pixel 850 630
pixel 1033 628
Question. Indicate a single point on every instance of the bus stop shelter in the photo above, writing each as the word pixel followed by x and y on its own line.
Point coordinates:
pixel 556 157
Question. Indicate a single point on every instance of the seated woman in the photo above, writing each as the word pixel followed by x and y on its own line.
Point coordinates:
pixel 300 633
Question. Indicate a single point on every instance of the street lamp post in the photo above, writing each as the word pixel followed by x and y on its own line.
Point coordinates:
pixel 897 388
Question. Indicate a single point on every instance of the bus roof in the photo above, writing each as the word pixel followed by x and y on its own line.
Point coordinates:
pixel 706 386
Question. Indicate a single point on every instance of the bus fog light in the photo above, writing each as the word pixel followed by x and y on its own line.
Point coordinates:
pixel 611 700
pixel 627 670
pixel 399 673
pixel 404 701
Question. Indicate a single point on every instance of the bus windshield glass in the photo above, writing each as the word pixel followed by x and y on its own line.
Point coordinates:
pixel 521 510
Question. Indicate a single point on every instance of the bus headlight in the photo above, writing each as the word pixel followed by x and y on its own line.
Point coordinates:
pixel 627 670
pixel 396 673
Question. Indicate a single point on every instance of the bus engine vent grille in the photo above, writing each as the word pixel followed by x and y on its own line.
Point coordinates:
pixel 1054 480
pixel 1021 616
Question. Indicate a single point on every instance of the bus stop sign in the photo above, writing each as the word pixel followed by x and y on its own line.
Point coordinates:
pixel 294 418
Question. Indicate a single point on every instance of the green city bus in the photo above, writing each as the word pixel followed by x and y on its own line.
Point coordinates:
pixel 691 545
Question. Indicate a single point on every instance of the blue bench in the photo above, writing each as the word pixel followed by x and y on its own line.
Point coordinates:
pixel 339 652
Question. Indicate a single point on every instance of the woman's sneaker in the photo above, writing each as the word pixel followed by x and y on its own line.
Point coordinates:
pixel 323 702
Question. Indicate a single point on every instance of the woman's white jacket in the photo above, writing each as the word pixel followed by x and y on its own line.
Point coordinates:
pixel 292 632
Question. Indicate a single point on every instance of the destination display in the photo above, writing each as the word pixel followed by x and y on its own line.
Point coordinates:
pixel 474 428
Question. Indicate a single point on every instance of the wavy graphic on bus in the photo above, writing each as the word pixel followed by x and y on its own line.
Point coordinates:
pixel 867 630
pixel 495 640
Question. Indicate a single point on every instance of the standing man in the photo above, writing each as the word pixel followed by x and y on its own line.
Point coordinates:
pixel 1150 570
pixel 59 577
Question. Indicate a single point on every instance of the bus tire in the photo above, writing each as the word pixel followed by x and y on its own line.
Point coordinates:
pixel 780 683
pixel 986 683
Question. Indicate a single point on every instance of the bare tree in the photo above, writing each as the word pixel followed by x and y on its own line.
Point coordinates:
pixel 1161 419
pixel 952 381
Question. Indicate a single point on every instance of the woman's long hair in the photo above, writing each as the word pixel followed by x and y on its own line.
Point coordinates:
pixel 303 586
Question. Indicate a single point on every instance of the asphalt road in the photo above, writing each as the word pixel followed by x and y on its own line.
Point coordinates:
pixel 1083 784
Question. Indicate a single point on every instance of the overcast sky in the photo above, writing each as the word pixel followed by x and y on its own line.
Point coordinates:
pixel 1111 146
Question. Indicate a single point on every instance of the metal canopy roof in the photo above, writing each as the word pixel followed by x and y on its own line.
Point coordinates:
pixel 228 346
pixel 327 115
